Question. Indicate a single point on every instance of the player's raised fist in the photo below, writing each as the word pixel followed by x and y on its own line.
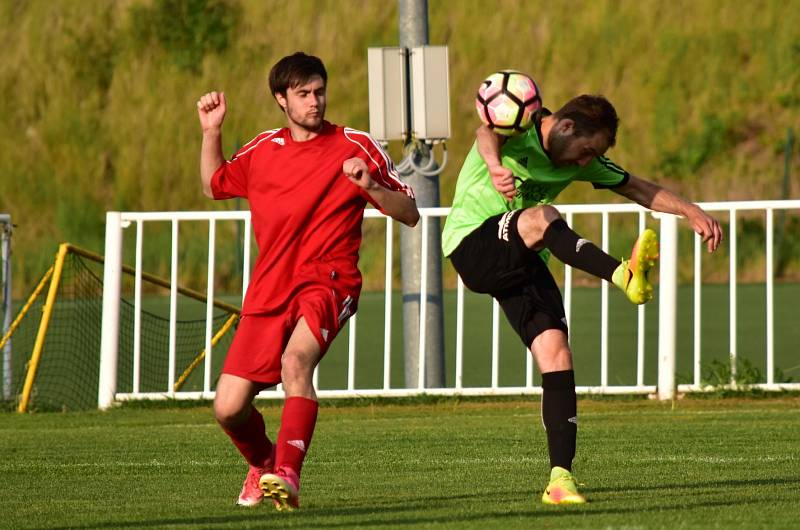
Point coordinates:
pixel 357 171
pixel 211 110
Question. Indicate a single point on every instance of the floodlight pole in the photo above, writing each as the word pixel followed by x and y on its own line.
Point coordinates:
pixel 413 26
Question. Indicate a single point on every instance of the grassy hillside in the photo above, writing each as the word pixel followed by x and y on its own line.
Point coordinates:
pixel 99 95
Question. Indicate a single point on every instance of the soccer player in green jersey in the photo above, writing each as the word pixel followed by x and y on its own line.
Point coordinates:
pixel 502 219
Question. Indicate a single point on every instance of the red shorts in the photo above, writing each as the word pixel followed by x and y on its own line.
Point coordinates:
pixel 260 339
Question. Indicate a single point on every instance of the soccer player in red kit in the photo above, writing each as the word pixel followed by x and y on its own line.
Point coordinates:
pixel 307 184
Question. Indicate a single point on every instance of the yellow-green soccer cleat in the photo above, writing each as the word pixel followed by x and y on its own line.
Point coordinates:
pixel 562 488
pixel 631 275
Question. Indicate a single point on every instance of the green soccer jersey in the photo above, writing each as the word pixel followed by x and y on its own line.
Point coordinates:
pixel 538 182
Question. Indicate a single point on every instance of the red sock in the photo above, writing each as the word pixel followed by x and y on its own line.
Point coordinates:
pixel 251 439
pixel 297 427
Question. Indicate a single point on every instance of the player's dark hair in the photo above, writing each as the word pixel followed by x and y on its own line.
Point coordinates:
pixel 295 70
pixel 590 115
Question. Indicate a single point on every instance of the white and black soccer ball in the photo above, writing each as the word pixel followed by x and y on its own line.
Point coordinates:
pixel 507 101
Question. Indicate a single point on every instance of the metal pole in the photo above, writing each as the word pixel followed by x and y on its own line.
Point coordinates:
pixel 413 25
pixel 782 257
pixel 5 236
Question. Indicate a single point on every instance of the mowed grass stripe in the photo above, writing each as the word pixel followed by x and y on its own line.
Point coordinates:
pixel 27 466
pixel 695 463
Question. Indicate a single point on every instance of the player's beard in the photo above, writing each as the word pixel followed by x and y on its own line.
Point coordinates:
pixel 308 120
pixel 558 145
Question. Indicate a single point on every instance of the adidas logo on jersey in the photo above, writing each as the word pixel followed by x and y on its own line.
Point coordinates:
pixel 279 141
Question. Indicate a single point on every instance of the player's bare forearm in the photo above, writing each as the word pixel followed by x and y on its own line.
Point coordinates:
pixel 211 109
pixel 655 197
pixel 489 147
pixel 395 204
pixel 211 158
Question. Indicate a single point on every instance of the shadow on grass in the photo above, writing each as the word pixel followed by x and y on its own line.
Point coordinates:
pixel 694 485
pixel 408 513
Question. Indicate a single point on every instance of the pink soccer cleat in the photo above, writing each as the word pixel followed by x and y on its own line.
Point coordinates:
pixel 283 486
pixel 251 491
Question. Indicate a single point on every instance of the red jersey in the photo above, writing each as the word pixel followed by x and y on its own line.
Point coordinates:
pixel 305 211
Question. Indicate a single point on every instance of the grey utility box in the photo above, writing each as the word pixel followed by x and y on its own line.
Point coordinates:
pixel 388 107
pixel 430 93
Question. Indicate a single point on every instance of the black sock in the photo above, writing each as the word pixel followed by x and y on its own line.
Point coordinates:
pixel 577 252
pixel 560 416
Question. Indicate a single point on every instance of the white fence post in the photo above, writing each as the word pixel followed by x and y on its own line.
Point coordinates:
pixel 667 298
pixel 112 286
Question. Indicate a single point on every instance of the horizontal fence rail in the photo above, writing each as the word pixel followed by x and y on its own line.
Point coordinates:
pixel 665 387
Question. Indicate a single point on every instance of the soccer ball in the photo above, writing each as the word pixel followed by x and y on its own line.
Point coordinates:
pixel 507 101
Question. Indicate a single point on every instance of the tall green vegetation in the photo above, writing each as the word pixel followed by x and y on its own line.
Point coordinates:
pixel 99 96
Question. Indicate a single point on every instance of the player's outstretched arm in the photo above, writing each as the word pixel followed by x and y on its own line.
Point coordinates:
pixel 655 197
pixel 396 204
pixel 211 110
pixel 489 145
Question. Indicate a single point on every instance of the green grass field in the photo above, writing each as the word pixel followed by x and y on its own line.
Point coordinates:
pixel 695 463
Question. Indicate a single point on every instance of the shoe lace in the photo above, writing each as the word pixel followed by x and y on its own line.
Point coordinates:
pixel 253 475
pixel 570 482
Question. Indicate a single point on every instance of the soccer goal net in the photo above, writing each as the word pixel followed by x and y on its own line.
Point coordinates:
pixel 57 332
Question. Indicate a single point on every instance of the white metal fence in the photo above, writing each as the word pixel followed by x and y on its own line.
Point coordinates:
pixel 666 385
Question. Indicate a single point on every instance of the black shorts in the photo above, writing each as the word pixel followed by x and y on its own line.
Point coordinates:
pixel 494 260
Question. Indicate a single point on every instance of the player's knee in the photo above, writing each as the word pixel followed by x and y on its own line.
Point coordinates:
pixel 556 360
pixel 230 415
pixel 544 214
pixel 294 368
pixel 533 223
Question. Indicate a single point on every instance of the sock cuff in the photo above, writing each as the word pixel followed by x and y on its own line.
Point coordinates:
pixel 563 379
pixel 299 401
pixel 299 414
pixel 553 230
